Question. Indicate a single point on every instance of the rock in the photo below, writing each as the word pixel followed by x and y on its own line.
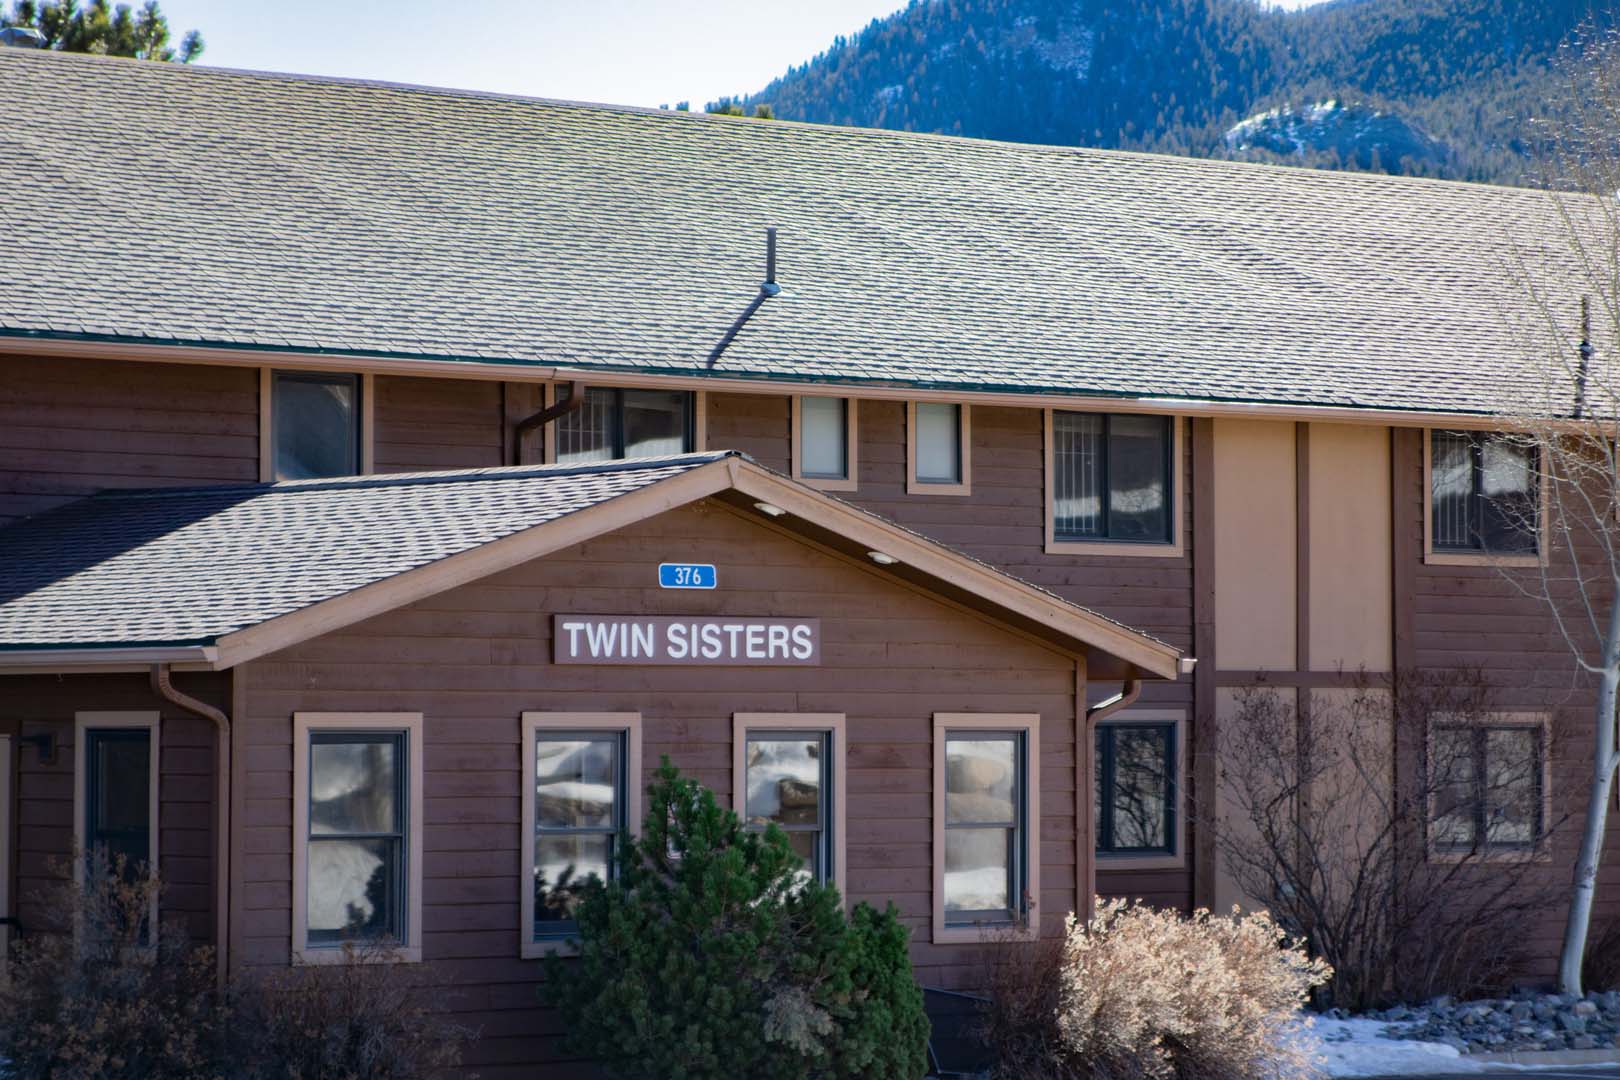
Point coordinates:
pixel 1582 1042
pixel 1584 1008
pixel 1572 1023
pixel 1520 1010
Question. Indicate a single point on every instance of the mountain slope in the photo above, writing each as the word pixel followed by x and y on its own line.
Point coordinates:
pixel 1433 87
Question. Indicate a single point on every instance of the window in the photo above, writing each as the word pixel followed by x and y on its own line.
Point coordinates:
pixel 614 424
pixel 1489 787
pixel 824 442
pixel 314 424
pixel 1484 494
pixel 985 801
pixel 581 796
pixel 939 449
pixel 357 858
pixel 788 770
pixel 1138 780
pixel 1111 478
pixel 116 766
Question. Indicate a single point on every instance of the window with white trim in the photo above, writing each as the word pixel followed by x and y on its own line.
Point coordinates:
pixel 618 423
pixel 357 863
pixel 938 455
pixel 580 803
pixel 1112 477
pixel 315 420
pixel 116 819
pixel 1484 493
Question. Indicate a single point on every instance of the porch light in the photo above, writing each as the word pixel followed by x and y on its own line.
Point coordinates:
pixel 770 509
pixel 881 559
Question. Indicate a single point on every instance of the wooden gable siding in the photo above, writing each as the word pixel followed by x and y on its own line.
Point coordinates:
pixel 1475 616
pixel 472 660
pixel 46 704
pixel 71 428
pixel 1003 522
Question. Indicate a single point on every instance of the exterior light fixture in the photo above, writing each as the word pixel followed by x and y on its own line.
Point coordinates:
pixel 881 559
pixel 770 509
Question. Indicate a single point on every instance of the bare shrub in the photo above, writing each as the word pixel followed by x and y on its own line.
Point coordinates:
pixel 1601 968
pixel 104 993
pixel 360 1019
pixel 1018 1020
pixel 1366 826
pixel 1146 994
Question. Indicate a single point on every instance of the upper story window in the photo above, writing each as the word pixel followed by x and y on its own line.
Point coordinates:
pixel 1484 492
pixel 939 451
pixel 615 423
pixel 1489 787
pixel 1111 478
pixel 315 425
pixel 824 442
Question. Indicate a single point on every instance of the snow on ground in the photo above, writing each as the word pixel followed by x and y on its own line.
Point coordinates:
pixel 1358 1048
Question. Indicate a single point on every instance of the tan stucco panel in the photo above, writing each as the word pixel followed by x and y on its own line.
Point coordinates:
pixel 1350 588
pixel 1231 820
pixel 1254 544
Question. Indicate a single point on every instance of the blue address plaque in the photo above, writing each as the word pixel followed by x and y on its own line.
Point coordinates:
pixel 683 575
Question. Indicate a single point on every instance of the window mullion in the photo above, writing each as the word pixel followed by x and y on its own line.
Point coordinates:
pixel 1105 499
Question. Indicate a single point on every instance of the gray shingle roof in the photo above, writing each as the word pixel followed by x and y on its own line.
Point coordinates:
pixel 185 566
pixel 169 203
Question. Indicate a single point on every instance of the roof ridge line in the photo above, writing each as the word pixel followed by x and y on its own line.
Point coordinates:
pixel 446 476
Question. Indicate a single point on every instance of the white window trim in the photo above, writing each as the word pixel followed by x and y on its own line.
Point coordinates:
pixel 83 724
pixel 551 393
pixel 1030 725
pixel 833 725
pixel 1108 862
pixel 627 723
pixel 305 724
pixel 1432 557
pixel 1541 850
pixel 267 422
pixel 851 481
pixel 1177 545
pixel 965 434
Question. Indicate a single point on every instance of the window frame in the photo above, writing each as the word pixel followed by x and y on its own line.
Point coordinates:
pixel 533 723
pixel 1446 556
pixel 850 481
pixel 365 389
pixel 964 435
pixel 1539 849
pixel 84 723
pixel 306 724
pixel 1176 857
pixel 834 812
pixel 697 415
pixel 1026 924
pixel 1172 548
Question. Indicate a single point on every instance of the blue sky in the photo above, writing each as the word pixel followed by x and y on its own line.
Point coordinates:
pixel 629 52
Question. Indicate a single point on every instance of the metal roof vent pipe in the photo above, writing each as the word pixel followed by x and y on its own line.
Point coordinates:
pixel 767 289
pixel 22 37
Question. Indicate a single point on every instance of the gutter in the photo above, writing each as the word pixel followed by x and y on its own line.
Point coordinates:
pixel 163 686
pixel 112 658
pixel 1109 706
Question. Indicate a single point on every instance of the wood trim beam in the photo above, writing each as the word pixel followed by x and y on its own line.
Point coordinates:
pixel 1320 680
pixel 1205 731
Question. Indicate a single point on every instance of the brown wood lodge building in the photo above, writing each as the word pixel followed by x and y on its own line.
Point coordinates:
pixel 390 477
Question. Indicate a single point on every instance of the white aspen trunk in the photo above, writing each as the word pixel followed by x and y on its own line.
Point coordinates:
pixel 1597 814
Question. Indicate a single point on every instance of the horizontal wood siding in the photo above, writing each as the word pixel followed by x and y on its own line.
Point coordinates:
pixel 1479 616
pixel 473 659
pixel 69 428
pixel 426 424
pixel 1002 522
pixel 41 704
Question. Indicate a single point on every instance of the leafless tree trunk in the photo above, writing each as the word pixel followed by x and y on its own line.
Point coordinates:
pixel 1569 413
